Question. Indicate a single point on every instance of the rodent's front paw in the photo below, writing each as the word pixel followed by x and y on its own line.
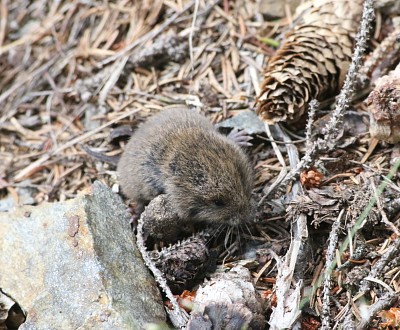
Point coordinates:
pixel 241 137
pixel 161 222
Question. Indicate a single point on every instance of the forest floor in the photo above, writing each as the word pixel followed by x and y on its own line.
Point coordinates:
pixel 76 73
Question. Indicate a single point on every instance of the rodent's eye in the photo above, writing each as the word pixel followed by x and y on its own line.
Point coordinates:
pixel 218 202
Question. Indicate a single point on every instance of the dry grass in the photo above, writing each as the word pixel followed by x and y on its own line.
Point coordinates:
pixel 74 72
pixel 71 71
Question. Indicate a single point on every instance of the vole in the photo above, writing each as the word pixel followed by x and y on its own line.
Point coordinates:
pixel 178 152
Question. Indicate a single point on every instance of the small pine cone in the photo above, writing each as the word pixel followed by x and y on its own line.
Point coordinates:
pixel 311 178
pixel 184 264
pixel 312 61
pixel 384 108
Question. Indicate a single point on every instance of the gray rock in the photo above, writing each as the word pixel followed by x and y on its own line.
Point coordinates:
pixel 75 264
pixel 247 120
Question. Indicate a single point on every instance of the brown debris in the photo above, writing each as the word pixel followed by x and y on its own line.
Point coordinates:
pixel 312 61
pixel 390 318
pixel 162 51
pixel 88 73
pixel 384 108
pixel 311 178
pixel 11 314
pixel 384 57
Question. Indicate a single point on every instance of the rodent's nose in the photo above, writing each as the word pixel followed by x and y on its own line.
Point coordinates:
pixel 244 215
pixel 235 221
pixel 239 219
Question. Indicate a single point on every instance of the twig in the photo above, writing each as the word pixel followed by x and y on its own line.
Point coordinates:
pixel 20 175
pixel 180 316
pixel 196 9
pixel 164 49
pixel 314 104
pixel 384 219
pixel 378 268
pixel 343 100
pixel 355 228
pixel 148 36
pixel 311 149
pixel 330 255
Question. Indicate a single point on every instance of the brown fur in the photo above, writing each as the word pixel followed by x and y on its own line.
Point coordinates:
pixel 178 152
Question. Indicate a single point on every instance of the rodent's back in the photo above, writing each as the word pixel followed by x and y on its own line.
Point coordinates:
pixel 139 167
pixel 178 152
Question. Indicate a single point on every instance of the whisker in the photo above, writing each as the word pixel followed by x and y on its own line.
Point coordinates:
pixel 232 241
pixel 216 233
pixel 220 229
pixel 228 235
pixel 238 236
pixel 223 229
pixel 248 229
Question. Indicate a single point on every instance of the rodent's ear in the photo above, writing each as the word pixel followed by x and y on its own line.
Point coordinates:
pixel 189 169
pixel 181 165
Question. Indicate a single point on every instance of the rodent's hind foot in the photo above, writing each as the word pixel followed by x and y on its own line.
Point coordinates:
pixel 240 137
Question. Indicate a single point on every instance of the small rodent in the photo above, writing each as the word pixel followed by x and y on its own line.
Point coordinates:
pixel 178 152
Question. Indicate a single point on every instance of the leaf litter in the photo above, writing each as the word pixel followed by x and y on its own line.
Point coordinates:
pixel 80 72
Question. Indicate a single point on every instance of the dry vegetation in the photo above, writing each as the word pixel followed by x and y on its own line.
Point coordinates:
pixel 82 72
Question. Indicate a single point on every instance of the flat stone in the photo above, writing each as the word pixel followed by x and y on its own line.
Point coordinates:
pixel 75 264
pixel 247 120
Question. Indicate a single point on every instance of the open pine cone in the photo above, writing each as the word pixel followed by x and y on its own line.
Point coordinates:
pixel 312 61
pixel 384 108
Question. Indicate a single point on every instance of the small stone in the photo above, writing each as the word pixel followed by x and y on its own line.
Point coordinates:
pixel 246 120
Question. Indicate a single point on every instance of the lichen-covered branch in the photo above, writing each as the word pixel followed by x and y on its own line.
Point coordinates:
pixel 344 97
pixel 180 315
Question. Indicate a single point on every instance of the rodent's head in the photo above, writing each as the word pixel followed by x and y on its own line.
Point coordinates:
pixel 211 182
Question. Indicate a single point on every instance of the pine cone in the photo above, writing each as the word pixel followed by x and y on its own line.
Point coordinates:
pixel 384 108
pixel 186 263
pixel 312 61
